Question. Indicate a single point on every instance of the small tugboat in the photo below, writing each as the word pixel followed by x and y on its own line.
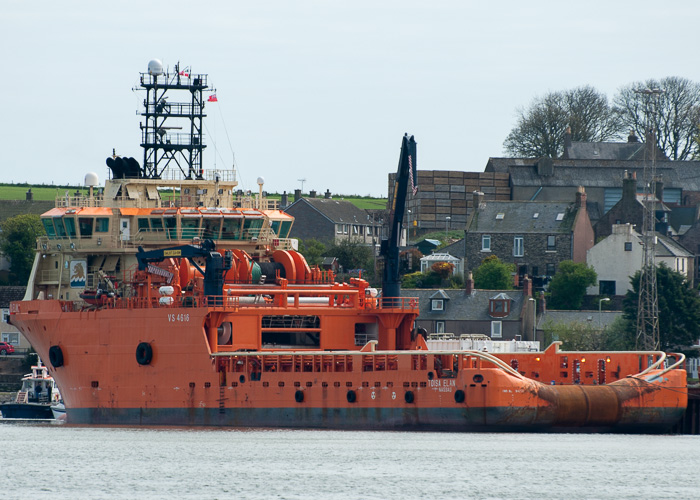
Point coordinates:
pixel 36 397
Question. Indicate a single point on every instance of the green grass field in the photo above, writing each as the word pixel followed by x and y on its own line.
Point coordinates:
pixel 48 193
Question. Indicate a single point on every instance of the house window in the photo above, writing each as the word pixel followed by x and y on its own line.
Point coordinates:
pixel 485 242
pixel 437 305
pixel 551 242
pixel 550 269
pixel 607 287
pixel 345 228
pixel 339 229
pixel 496 330
pixel 355 229
pixel 369 230
pixel 439 327
pixel 628 246
pixel 10 338
pixel 518 246
pixel 5 315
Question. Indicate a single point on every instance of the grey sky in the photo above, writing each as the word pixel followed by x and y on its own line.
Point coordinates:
pixel 320 90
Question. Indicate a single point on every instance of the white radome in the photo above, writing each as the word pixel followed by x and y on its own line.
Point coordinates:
pixel 91 179
pixel 155 67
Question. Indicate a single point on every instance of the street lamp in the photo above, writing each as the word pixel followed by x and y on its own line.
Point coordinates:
pixel 600 312
pixel 447 226
pixel 534 318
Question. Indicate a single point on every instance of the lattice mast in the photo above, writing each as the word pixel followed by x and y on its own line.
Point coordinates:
pixel 163 145
pixel 647 338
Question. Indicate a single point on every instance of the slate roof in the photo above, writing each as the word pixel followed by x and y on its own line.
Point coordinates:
pixel 595 173
pixel 458 248
pixel 567 317
pixel 523 217
pixel 11 293
pixel 465 307
pixel 606 151
pixel 336 210
pixel 12 208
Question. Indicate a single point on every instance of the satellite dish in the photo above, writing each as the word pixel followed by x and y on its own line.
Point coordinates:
pixel 91 179
pixel 155 67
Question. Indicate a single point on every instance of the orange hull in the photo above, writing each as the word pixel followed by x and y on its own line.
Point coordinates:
pixel 190 380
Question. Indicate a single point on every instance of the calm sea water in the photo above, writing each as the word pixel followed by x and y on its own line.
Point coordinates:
pixel 61 461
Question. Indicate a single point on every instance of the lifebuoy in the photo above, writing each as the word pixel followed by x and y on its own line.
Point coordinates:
pixel 144 353
pixel 408 397
pixel 299 396
pixel 56 356
pixel 459 396
pixel 351 396
pixel 413 303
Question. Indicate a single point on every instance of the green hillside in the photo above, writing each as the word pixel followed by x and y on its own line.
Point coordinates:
pixel 48 193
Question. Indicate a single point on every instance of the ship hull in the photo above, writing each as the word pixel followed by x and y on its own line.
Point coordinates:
pixel 652 421
pixel 34 411
pixel 189 381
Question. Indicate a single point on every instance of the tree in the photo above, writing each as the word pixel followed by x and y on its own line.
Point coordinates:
pixel 493 274
pixel 679 309
pixel 312 250
pixel 673 114
pixel 540 129
pixel 568 286
pixel 17 241
pixel 579 336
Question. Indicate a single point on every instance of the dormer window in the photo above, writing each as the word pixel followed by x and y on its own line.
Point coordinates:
pixel 437 305
pixel 499 306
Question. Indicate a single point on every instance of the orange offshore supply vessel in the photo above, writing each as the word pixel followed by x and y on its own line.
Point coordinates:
pixel 170 298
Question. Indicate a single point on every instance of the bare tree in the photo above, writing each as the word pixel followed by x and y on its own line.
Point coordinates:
pixel 540 129
pixel 673 114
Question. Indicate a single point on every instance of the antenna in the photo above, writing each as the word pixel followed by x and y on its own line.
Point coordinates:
pixel 648 305
pixel 302 184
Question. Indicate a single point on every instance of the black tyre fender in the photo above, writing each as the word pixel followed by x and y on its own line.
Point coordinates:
pixel 144 353
pixel 351 396
pixel 409 397
pixel 299 396
pixel 56 356
pixel 459 396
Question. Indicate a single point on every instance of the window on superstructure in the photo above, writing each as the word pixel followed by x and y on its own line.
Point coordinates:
pixel 102 224
pixel 231 228
pixel 171 226
pixel 49 228
pixel 70 226
pixel 156 224
pixel 144 227
pixel 60 228
pixel 85 224
pixel 211 227
pixel 251 228
pixel 190 227
pixel 286 228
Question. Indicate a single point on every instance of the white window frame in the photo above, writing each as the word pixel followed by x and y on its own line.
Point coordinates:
pixel 485 242
pixel 339 229
pixel 520 246
pixel 553 239
pixel 496 329
pixel 345 228
pixel 437 305
pixel 439 327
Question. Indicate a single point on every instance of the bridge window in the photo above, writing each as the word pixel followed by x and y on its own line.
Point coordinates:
pixel 49 227
pixel 85 224
pixel 102 225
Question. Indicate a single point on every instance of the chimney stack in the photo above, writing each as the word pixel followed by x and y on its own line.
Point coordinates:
pixel 327 195
pixel 469 284
pixel 581 197
pixel 297 194
pixel 284 201
pixel 632 137
pixel 527 286
pixel 629 186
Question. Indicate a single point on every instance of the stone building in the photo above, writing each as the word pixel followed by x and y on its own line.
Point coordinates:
pixel 535 236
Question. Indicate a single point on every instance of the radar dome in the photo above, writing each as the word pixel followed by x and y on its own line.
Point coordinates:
pixel 91 179
pixel 155 67
pixel 261 181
